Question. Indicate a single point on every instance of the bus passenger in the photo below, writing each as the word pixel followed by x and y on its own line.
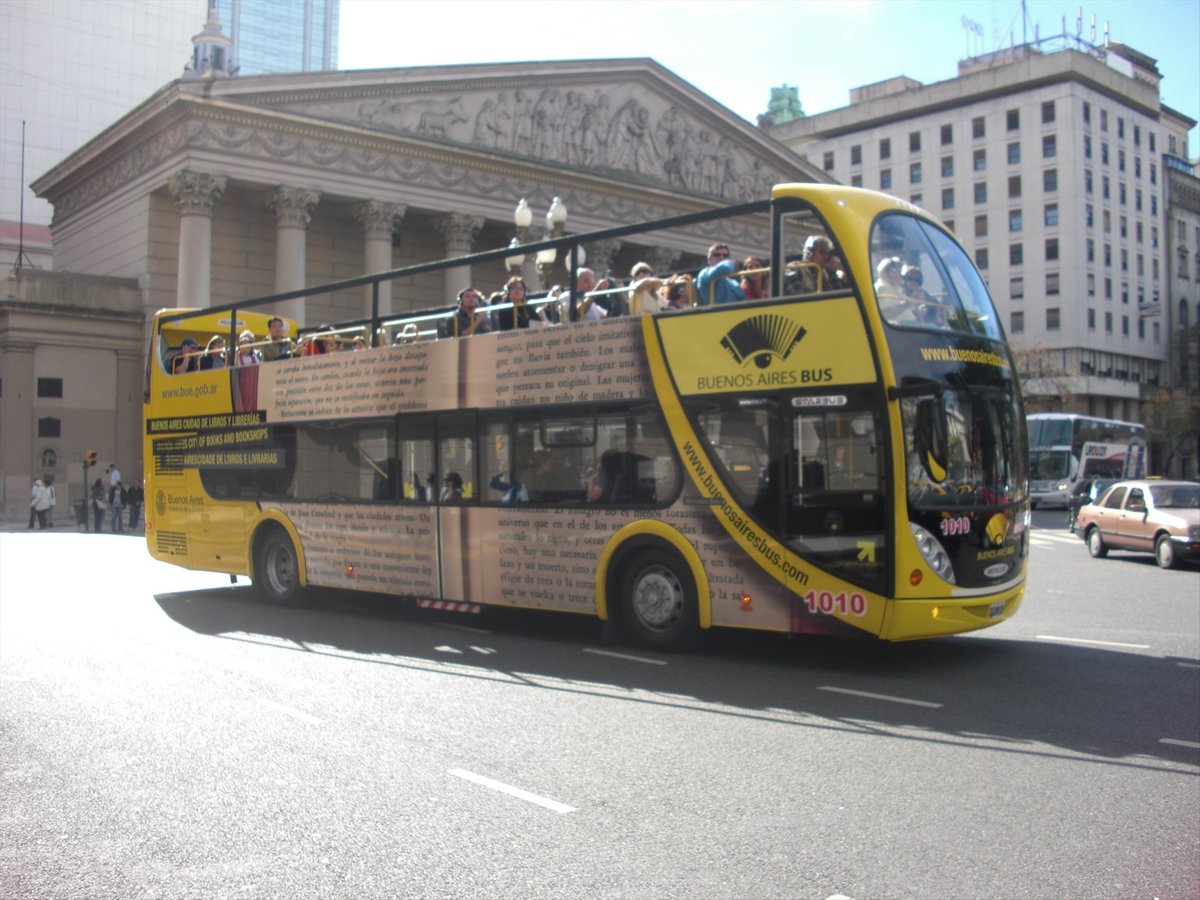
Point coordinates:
pixel 679 292
pixel 510 491
pixel 280 347
pixel 518 316
pixel 887 285
pixel 715 283
pixel 452 487
pixel 319 342
pixel 754 282
pixel 606 484
pixel 214 354
pixel 246 354
pixel 465 321
pixel 928 310
pixel 818 249
pixel 188 359
pixel 644 296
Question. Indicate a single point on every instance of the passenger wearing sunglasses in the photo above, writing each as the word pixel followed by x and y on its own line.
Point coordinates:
pixel 714 283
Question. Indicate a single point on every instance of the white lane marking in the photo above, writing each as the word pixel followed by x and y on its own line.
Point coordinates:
pixel 1188 665
pixel 294 713
pixel 1177 743
pixel 446 648
pixel 486 651
pixel 463 628
pixel 560 808
pixel 641 659
pixel 1071 640
pixel 870 696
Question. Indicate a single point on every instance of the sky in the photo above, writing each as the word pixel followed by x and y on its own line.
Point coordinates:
pixel 737 50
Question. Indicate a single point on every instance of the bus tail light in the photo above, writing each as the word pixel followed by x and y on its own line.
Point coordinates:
pixel 747 602
pixel 349 570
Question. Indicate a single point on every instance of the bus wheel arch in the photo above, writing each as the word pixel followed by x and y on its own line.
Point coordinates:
pixel 653 582
pixel 277 564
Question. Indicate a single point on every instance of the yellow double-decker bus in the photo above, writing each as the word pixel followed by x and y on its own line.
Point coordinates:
pixel 847 455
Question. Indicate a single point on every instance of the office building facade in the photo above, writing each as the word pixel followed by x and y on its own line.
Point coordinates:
pixel 275 36
pixel 1050 168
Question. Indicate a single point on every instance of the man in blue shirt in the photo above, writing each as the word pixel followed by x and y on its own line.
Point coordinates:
pixel 715 284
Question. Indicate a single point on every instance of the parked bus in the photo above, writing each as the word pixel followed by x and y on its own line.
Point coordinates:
pixel 1068 449
pixel 834 459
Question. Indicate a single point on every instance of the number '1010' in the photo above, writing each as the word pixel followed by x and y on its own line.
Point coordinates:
pixel 829 603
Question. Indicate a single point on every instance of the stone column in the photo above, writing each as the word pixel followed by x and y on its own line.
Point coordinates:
pixel 196 194
pixel 458 232
pixel 293 208
pixel 379 221
pixel 663 259
pixel 601 254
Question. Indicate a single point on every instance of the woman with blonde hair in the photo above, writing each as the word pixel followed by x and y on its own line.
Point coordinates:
pixel 644 296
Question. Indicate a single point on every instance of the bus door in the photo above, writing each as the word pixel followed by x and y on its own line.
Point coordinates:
pixel 457 503
pixel 834 509
pixel 418 562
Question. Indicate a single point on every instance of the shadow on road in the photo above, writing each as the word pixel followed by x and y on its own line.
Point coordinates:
pixel 1019 696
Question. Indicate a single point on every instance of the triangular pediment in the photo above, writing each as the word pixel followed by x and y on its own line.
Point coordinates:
pixel 626 119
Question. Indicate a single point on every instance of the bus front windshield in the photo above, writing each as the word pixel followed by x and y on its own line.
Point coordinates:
pixel 965 450
pixel 1050 465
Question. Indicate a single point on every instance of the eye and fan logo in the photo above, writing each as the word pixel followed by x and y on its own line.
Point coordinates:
pixel 763 339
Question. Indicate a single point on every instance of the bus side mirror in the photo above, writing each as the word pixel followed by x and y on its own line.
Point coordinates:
pixel 929 434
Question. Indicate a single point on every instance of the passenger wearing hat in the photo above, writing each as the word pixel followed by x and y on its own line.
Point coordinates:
pixel 188 359
pixel 247 355
pixel 644 296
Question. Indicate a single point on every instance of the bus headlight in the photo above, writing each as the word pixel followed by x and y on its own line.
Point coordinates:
pixel 934 553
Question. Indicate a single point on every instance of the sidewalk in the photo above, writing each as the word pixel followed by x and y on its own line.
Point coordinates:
pixel 64 521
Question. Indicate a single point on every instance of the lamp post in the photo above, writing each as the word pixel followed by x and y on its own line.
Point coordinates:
pixel 517 260
pixel 556 221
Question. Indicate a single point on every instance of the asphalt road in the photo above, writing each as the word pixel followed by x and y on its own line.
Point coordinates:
pixel 164 734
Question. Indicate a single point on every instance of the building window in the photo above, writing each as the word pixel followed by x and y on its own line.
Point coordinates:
pixel 1087 113
pixel 1091 320
pixel 1104 152
pixel 1014 153
pixel 1049 146
pixel 1050 180
pixel 1047 112
pixel 1120 127
pixel 1087 146
pixel 1051 249
pixel 1016 322
pixel 1105 187
pixel 979 160
pixel 828 160
pixel 1104 120
pixel 947 134
pixel 1137 199
pixel 1107 288
pixel 1013 119
pixel 1120 160
pixel 914 142
pixel 1125 325
pixel 1154 204
pixel 1108 323
pixel 885 148
pixel 1137 230
pixel 1124 260
pixel 1087 181
pixel 981 226
pixel 1107 217
pixel 1108 255
pixel 1051 283
pixel 916 199
pixel 1141 329
pixel 50 387
pixel 1183 263
pixel 1124 227
pixel 1137 167
pixel 1125 292
pixel 981 192
pixel 1153 173
pixel 1091 250
pixel 1015 222
pixel 1091 284
pixel 1050 215
pixel 885 179
pixel 1016 287
pixel 947 198
pixel 1016 254
pixel 49 427
pixel 981 258
pixel 914 173
pixel 1089 216
pixel 1014 186
pixel 977 128
pixel 49 459
pixel 1137 135
pixel 856 181
pixel 947 166
pixel 1150 134
pixel 1052 319
pixel 856 155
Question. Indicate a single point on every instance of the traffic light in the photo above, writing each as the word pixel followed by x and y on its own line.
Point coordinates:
pixel 89 459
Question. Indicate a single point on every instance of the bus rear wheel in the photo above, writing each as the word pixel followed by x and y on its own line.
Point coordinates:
pixel 658 601
pixel 277 568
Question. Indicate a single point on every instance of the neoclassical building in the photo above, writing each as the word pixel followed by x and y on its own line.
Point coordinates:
pixel 221 189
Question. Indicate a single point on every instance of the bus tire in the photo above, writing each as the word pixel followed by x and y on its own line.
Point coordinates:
pixel 658 601
pixel 1095 544
pixel 277 568
pixel 1164 552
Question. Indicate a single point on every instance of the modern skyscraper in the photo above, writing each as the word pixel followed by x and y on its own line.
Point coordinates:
pixel 280 35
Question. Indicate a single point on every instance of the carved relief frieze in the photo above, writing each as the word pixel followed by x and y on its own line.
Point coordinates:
pixel 619 129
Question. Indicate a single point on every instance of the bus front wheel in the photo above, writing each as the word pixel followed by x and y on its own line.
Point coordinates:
pixel 277 572
pixel 658 599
